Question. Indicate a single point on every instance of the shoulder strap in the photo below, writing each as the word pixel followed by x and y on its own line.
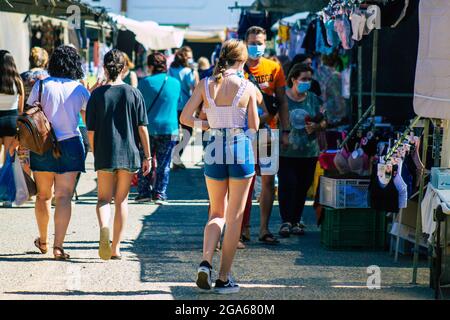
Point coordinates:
pixel 159 93
pixel 41 88
pixel 240 92
pixel 252 78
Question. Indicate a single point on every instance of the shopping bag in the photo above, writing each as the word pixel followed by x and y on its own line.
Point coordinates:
pixel 7 185
pixel 20 183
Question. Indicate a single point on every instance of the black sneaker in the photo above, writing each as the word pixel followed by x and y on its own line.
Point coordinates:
pixel 141 198
pixel 226 287
pixel 204 276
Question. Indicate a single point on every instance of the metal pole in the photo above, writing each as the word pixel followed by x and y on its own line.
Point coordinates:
pixel 360 102
pixel 374 71
pixel 419 207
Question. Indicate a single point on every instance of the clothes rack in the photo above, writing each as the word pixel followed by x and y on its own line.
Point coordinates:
pixel 357 125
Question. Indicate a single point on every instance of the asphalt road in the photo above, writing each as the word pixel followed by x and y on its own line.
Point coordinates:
pixel 163 248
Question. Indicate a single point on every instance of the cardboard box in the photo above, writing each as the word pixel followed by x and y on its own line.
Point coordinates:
pixel 409 214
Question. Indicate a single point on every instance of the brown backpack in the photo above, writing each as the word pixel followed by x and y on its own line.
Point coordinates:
pixel 35 132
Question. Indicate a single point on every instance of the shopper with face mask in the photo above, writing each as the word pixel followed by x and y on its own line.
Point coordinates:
pixel 271 81
pixel 301 122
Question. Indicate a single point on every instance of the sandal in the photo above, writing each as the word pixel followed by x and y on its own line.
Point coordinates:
pixel 62 256
pixel 298 230
pixel 285 230
pixel 38 244
pixel 116 257
pixel 269 238
pixel 241 245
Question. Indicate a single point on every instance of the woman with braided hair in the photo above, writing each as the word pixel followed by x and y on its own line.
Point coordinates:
pixel 229 102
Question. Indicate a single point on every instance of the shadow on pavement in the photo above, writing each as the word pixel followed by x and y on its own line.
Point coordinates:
pixel 169 249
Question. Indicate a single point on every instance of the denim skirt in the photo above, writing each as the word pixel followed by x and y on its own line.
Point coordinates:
pixel 71 160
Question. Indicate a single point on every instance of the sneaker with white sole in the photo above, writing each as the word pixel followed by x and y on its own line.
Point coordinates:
pixel 226 287
pixel 204 276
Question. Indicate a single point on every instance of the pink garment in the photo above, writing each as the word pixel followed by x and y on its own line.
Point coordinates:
pixel 226 117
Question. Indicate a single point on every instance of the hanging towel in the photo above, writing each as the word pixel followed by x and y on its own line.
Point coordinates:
pixel 432 84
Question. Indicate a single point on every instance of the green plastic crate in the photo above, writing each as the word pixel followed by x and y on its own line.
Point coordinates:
pixel 353 229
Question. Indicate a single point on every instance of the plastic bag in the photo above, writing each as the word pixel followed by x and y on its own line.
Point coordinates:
pixel 7 185
pixel 22 194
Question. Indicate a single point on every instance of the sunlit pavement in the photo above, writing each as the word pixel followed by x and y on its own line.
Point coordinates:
pixel 163 248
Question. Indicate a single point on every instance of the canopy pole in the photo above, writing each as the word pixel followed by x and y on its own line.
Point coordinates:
pixel 360 102
pixel 374 72
pixel 419 207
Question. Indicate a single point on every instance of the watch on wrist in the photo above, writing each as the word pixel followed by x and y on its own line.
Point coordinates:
pixel 148 158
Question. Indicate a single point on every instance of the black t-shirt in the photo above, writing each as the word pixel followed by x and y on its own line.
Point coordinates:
pixel 115 113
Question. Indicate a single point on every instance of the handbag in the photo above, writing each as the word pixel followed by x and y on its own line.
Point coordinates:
pixel 34 131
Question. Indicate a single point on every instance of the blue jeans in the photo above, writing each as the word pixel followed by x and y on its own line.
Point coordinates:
pixel 156 183
pixel 229 155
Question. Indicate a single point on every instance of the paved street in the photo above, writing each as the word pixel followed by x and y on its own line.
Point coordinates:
pixel 163 248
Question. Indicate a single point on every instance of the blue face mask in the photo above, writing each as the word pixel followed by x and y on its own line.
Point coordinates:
pixel 304 86
pixel 240 74
pixel 256 52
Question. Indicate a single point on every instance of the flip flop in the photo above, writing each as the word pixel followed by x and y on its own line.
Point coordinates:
pixel 269 238
pixel 104 249
pixel 116 257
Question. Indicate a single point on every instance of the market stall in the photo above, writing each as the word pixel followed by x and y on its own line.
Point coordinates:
pixel 47 24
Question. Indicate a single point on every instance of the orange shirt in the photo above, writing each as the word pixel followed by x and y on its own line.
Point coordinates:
pixel 270 75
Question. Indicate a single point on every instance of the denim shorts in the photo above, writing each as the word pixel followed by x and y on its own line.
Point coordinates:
pixel 229 155
pixel 71 160
pixel 114 170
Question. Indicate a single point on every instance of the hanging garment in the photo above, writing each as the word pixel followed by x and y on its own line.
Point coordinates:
pixel 309 43
pixel 249 19
pixel 429 203
pixel 358 23
pixel 345 74
pixel 322 45
pixel 283 34
pixel 432 85
pixel 383 197
pixel 332 36
pixel 297 36
pixel 343 29
pixel 401 186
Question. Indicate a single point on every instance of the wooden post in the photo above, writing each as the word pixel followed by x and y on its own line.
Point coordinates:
pixel 419 207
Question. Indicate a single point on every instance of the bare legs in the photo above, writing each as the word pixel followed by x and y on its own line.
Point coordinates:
pixel 229 212
pixel 117 184
pixel 64 184
pixel 266 202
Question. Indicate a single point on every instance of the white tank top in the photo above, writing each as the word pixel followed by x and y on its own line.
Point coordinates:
pixel 226 117
pixel 9 101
